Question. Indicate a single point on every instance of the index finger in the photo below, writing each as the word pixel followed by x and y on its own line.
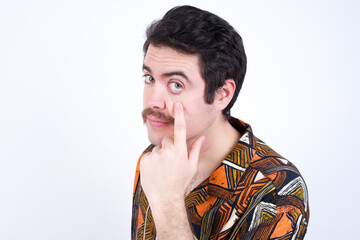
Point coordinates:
pixel 179 126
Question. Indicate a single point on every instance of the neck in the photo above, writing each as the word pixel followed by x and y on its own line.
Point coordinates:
pixel 220 140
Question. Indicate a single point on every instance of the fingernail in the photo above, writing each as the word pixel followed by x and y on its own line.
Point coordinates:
pixel 178 104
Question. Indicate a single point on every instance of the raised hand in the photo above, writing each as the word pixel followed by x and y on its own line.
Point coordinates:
pixel 167 171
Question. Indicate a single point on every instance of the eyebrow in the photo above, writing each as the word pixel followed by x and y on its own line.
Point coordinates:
pixel 168 74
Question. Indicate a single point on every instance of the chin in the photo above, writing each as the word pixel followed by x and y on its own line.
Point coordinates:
pixel 156 140
pixel 155 137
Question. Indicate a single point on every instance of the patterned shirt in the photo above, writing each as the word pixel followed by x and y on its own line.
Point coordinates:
pixel 254 194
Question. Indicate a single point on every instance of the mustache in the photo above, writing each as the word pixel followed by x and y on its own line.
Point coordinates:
pixel 160 115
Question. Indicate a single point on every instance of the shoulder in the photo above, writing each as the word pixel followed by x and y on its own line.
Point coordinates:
pixel 269 178
pixel 289 191
pixel 275 167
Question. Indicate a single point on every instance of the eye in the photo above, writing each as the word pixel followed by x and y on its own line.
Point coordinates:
pixel 149 79
pixel 176 87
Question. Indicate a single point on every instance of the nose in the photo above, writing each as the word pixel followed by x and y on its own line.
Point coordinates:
pixel 154 97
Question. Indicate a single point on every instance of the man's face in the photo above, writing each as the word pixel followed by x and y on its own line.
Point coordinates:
pixel 170 77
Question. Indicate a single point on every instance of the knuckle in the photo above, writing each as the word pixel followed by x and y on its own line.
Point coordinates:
pixel 144 160
pixel 166 139
pixel 166 151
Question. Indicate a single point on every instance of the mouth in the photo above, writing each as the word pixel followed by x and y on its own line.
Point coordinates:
pixel 154 121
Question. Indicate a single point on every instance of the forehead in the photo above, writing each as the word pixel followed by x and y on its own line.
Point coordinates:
pixel 162 58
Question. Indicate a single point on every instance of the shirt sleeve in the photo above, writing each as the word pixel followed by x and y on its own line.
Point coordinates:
pixel 275 212
pixel 262 210
pixel 287 224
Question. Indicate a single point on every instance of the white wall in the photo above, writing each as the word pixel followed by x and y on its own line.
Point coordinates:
pixel 71 97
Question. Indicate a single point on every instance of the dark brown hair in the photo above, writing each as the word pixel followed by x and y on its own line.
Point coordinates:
pixel 194 31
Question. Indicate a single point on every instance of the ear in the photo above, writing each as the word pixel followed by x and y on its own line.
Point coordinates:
pixel 225 93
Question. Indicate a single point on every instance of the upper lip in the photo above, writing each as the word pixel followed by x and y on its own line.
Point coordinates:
pixel 155 118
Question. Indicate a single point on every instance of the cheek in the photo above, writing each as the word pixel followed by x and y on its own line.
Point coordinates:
pixel 144 97
pixel 199 117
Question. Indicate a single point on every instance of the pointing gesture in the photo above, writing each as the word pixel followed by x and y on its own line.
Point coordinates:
pixel 179 127
pixel 168 170
pixel 180 137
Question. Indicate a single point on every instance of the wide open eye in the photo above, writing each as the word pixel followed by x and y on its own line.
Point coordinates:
pixel 175 87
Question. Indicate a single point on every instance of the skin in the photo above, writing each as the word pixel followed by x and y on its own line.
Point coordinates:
pixel 189 150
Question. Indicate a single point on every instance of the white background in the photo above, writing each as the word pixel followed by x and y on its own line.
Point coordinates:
pixel 71 98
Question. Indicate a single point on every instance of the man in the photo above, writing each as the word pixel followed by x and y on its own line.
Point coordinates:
pixel 205 175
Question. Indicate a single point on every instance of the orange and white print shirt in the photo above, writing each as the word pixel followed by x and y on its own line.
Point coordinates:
pixel 254 194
